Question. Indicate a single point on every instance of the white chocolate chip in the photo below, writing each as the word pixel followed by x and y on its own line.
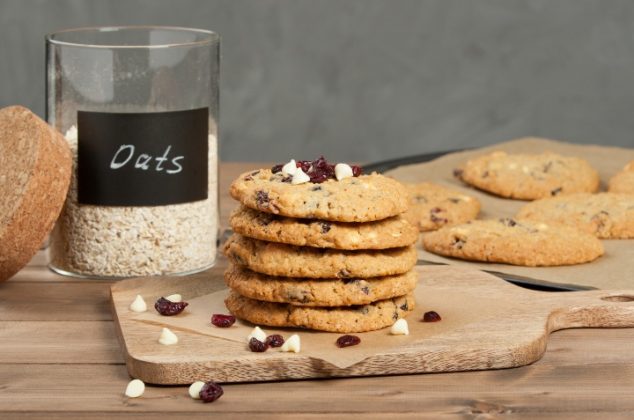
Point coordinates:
pixel 460 230
pixel 512 165
pixel 542 226
pixel 258 334
pixel 526 169
pixel 194 389
pixel 465 198
pixel 72 133
pixel 167 337
pixel 400 327
pixel 299 177
pixel 174 298
pixel 138 304
pixel 135 388
pixel 292 344
pixel 343 171
pixel 290 168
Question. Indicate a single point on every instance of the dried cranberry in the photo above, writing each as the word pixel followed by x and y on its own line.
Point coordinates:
pixel 458 173
pixel 507 221
pixel 223 321
pixel 458 243
pixel 318 170
pixel 356 170
pixel 210 392
pixel 257 346
pixel 434 218
pixel 325 227
pixel 262 197
pixel 275 340
pixel 431 316
pixel 168 308
pixel 347 341
pixel 556 191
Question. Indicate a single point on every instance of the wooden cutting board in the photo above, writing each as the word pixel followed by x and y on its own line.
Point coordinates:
pixel 487 324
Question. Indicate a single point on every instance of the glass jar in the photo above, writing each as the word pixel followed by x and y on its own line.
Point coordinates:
pixel 139 106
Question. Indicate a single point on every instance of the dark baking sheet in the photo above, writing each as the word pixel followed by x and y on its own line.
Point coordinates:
pixel 529 283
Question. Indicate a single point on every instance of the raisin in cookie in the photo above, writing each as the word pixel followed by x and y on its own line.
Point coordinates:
pixel 517 242
pixel 346 319
pixel 364 198
pixel 296 261
pixel 433 206
pixel 623 182
pixel 529 176
pixel 327 292
pixel 606 215
pixel 389 233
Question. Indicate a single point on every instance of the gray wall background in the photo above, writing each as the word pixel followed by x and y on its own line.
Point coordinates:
pixel 367 80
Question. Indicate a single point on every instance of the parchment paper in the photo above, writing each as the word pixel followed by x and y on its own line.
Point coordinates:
pixel 458 309
pixel 613 270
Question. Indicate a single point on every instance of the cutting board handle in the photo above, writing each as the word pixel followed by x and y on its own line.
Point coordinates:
pixel 596 308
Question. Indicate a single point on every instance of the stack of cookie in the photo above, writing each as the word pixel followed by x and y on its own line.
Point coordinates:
pixel 320 246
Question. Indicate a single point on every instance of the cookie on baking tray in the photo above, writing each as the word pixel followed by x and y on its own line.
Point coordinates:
pixel 348 319
pixel 389 233
pixel 362 198
pixel 529 176
pixel 277 259
pixel 310 292
pixel 433 206
pixel 606 215
pixel 623 181
pixel 514 241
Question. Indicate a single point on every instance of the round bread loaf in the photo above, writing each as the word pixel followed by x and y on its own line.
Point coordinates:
pixel 35 167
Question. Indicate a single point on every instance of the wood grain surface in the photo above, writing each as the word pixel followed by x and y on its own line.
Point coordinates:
pixel 584 373
pixel 487 324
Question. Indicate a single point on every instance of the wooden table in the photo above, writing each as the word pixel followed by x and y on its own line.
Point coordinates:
pixel 59 358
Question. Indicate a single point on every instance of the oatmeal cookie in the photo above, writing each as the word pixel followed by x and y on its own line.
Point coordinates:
pixel 529 176
pixel 433 206
pixel 514 241
pixel 346 319
pixel 277 259
pixel 364 198
pixel 310 292
pixel 389 233
pixel 606 215
pixel 623 182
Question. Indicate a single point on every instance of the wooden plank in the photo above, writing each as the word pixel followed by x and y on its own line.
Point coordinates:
pixel 58 342
pixel 487 324
pixel 55 301
pixel 534 391
pixel 66 300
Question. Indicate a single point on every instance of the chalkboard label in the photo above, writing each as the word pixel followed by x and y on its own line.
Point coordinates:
pixel 142 159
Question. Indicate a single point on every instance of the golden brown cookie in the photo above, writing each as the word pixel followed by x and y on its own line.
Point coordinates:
pixel 364 198
pixel 309 292
pixel 529 176
pixel 623 182
pixel 513 241
pixel 433 206
pixel 277 259
pixel 606 215
pixel 346 319
pixel 389 233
